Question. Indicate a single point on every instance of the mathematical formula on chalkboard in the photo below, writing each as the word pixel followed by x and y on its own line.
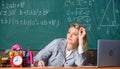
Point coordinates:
pixel 100 18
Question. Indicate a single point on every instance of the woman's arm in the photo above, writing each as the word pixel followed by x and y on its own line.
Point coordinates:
pixel 43 55
pixel 80 57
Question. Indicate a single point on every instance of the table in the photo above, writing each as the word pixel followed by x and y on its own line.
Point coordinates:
pixel 60 68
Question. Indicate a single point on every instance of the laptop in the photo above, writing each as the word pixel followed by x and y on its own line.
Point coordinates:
pixel 108 53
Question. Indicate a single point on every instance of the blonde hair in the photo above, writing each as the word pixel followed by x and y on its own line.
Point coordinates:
pixel 77 26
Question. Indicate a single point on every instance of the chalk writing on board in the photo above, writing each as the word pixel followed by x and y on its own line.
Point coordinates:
pixel 80 13
pixel 111 22
pixel 29 22
pixel 35 12
pixel 12 5
pixel 35 23
pixel 78 2
pixel 9 11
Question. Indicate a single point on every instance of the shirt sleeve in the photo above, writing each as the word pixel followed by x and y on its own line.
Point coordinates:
pixel 80 58
pixel 45 53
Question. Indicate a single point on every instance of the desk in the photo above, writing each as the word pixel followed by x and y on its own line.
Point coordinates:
pixel 62 68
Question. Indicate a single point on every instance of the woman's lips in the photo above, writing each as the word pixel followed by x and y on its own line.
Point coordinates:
pixel 70 39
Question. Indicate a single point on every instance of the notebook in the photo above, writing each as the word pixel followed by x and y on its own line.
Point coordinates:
pixel 108 53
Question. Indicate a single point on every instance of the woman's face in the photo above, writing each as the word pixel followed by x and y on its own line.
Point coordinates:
pixel 72 36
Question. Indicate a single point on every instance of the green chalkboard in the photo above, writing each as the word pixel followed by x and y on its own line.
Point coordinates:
pixel 35 23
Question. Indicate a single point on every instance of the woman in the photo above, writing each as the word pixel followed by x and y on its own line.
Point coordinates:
pixel 64 52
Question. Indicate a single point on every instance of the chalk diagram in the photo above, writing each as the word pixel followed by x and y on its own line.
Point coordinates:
pixel 112 22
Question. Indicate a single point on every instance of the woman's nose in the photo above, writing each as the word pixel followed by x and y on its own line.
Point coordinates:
pixel 70 35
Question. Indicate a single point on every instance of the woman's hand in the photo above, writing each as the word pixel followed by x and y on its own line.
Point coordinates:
pixel 41 64
pixel 82 33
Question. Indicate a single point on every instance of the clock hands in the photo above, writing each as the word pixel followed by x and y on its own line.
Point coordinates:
pixel 16 59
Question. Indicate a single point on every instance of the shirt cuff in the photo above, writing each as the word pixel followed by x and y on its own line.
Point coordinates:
pixel 80 49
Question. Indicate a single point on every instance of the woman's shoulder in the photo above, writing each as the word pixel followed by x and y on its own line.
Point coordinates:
pixel 60 39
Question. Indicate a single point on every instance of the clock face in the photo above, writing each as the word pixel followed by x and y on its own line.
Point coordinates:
pixel 17 60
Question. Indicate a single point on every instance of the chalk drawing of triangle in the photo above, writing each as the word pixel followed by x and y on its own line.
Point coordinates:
pixel 109 17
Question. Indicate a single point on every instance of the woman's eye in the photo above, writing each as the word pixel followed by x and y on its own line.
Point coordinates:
pixel 75 34
pixel 68 32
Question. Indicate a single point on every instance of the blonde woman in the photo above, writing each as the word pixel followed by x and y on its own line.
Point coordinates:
pixel 64 52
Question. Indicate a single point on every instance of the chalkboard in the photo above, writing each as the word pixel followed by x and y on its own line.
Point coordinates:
pixel 34 23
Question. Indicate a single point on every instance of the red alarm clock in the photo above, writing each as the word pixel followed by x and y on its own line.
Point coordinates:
pixel 16 59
